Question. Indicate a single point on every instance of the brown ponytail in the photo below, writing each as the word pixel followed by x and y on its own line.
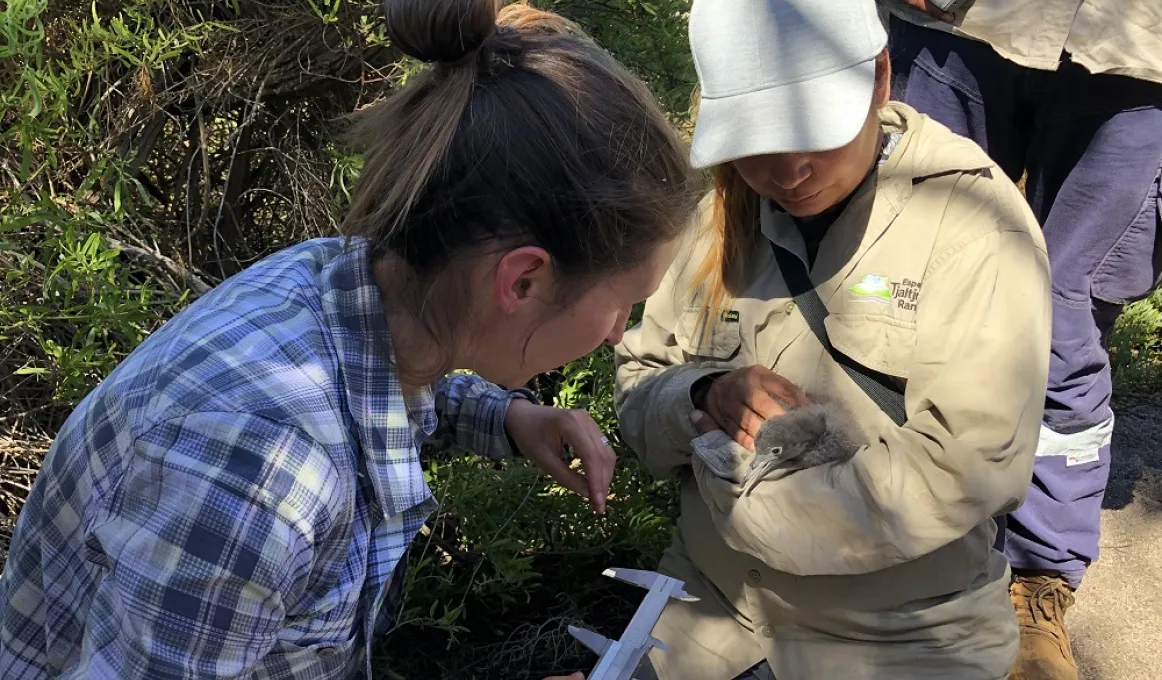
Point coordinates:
pixel 440 31
pixel 524 132
pixel 733 230
pixel 407 135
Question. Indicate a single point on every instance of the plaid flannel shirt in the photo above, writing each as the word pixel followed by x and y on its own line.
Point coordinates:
pixel 202 513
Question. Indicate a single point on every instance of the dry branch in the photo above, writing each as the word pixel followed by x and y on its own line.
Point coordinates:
pixel 196 284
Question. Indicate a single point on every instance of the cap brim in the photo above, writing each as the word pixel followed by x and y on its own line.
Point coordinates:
pixel 818 114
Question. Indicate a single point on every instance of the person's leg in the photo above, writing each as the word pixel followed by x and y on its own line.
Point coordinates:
pixel 1103 238
pixel 1093 184
pixel 964 85
pixel 760 671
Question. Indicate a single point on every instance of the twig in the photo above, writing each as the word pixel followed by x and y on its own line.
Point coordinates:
pixel 467 558
pixel 235 138
pixel 27 412
pixel 197 286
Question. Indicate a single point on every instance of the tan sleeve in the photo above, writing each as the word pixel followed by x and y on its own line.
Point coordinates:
pixel 652 391
pixel 974 401
pixel 654 373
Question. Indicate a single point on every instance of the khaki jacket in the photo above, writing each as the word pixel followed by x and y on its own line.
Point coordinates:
pixel 1121 37
pixel 881 567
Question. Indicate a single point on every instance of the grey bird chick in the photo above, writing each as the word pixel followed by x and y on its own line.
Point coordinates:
pixel 816 434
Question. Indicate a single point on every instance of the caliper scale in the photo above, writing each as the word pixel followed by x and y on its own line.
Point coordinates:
pixel 618 659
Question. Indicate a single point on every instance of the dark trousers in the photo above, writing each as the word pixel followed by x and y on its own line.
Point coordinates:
pixel 760 672
pixel 1091 146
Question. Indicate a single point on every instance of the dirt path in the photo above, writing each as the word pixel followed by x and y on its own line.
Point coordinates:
pixel 1117 622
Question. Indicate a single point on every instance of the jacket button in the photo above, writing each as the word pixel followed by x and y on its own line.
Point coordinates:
pixel 753 577
pixel 768 631
pixel 789 307
pixel 325 652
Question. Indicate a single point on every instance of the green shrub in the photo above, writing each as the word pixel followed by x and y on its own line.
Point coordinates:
pixel 1136 349
pixel 510 559
pixel 150 148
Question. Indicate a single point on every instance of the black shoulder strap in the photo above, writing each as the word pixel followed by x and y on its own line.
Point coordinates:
pixel 877 385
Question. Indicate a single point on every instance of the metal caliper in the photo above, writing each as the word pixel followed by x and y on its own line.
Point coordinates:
pixel 618 659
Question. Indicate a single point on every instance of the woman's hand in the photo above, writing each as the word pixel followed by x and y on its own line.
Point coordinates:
pixel 575 676
pixel 741 400
pixel 703 424
pixel 931 10
pixel 541 434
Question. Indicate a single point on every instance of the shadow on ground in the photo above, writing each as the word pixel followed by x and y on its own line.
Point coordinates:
pixel 1117 622
pixel 1136 465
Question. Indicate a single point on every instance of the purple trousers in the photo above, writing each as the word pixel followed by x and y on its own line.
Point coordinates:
pixel 1091 146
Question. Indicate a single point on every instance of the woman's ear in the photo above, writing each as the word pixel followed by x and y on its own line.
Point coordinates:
pixel 522 276
pixel 883 87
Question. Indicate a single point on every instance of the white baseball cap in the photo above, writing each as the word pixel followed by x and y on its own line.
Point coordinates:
pixel 781 76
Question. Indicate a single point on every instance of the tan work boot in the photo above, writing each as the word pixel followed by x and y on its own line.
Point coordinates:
pixel 1045 653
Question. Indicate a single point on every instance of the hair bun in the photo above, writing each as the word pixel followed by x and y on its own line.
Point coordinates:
pixel 442 31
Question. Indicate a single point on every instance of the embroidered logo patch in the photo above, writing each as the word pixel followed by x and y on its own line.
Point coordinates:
pixel 873 289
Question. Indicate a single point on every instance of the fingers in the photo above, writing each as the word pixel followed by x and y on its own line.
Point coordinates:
pixel 740 419
pixel 748 427
pixel 552 462
pixel 764 391
pixel 703 424
pixel 762 404
pixel 932 10
pixel 744 399
pixel 596 455
pixel 729 421
pixel 783 390
pixel 745 440
pixel 938 13
pixel 543 432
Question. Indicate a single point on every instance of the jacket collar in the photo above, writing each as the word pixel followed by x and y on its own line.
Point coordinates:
pixel 387 426
pixel 928 149
pixel 925 149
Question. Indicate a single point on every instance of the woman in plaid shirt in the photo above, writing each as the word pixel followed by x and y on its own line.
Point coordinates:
pixel 236 499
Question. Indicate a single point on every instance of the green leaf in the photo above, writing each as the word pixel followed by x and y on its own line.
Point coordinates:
pixel 15 224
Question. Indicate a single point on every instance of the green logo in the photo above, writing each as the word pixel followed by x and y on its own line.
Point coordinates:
pixel 873 289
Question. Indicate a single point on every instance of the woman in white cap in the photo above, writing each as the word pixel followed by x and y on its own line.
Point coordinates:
pixel 844 367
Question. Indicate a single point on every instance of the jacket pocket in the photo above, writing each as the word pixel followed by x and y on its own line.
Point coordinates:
pixel 719 341
pixel 880 343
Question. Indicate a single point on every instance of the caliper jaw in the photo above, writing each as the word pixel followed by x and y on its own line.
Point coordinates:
pixel 618 659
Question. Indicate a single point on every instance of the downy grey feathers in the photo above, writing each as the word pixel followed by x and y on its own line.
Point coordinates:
pixel 816 434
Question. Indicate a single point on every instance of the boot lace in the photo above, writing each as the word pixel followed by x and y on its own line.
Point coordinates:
pixel 1049 601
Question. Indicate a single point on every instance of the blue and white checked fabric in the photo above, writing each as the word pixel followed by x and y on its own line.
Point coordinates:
pixel 202 513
